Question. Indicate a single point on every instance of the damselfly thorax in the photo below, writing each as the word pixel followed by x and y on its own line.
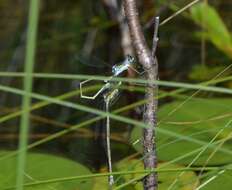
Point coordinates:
pixel 117 70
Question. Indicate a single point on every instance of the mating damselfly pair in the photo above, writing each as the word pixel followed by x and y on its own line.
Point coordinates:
pixel 109 84
pixel 109 91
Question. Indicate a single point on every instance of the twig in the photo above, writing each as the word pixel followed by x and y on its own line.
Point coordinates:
pixel 155 36
pixel 149 64
pixel 157 13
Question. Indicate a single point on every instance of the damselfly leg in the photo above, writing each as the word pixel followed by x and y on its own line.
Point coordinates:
pixel 103 88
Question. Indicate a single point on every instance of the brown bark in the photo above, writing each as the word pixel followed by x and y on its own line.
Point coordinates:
pixel 149 64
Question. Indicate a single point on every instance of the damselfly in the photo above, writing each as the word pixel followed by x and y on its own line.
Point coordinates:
pixel 109 91
pixel 117 70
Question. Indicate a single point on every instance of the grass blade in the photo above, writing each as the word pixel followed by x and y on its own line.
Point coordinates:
pixel 28 81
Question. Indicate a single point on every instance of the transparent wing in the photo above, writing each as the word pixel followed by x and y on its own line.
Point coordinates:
pixel 91 60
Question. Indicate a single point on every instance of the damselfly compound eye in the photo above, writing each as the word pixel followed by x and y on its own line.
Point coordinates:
pixel 114 68
pixel 130 59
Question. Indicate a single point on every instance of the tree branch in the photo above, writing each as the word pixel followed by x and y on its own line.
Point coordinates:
pixel 142 50
pixel 116 13
pixel 150 65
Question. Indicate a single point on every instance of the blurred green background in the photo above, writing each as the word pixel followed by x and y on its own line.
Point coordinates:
pixel 194 47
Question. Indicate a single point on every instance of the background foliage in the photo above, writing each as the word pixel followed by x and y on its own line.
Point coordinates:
pixel 194 132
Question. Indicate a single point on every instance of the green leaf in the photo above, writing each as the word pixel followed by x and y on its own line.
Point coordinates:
pixel 221 180
pixel 101 183
pixel 184 182
pixel 215 30
pixel 197 122
pixel 205 72
pixel 44 167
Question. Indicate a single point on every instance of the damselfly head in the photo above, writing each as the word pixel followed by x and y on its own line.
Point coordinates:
pixel 130 59
pixel 120 68
pixel 114 69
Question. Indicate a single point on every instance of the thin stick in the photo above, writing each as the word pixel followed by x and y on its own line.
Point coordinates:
pixel 203 39
pixel 210 179
pixel 179 12
pixel 155 36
